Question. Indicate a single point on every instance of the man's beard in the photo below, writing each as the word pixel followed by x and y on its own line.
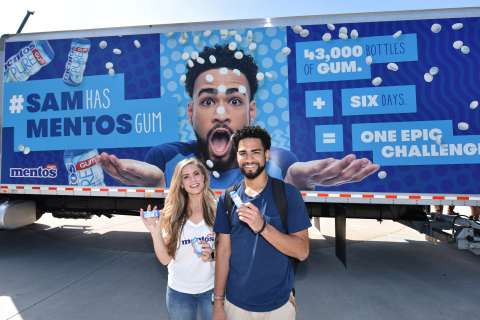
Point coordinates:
pixel 220 164
pixel 254 174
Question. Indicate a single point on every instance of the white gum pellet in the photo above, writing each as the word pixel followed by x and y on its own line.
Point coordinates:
pixel 436 28
pixel 297 29
pixel 354 34
pixel 224 32
pixel 250 34
pixel 182 40
pixel 224 38
pixel 457 26
pixel 209 77
pixel 111 72
pixel 220 110
pixel 252 46
pixel 183 78
pixel 382 175
pixel 268 75
pixel 304 33
pixel 196 40
pixel 343 36
pixel 102 44
pixel 428 77
pixel 109 65
pixel 433 71
pixel 194 55
pixel 184 35
pixel 369 60
pixel 21 147
pixel 377 81
pixel 236 72
pixel 232 32
pixel 397 34
pixel 458 44
pixel 232 46
pixel 343 30
pixel 463 126
pixel 238 55
pixel 327 36
pixel 438 140
pixel 200 60
pixel 185 56
pixel 190 63
pixel 260 76
pixel 207 33
pixel 286 51
pixel 223 71
pixel 473 105
pixel 242 90
pixel 209 163
pixel 249 40
pixel 137 43
pixel 392 66
pixel 465 49
pixel 170 34
pixel 331 26
pixel 26 150
pixel 212 59
pixel 238 38
pixel 216 174
pixel 117 51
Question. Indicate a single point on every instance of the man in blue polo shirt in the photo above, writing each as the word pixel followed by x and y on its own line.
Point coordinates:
pixel 253 273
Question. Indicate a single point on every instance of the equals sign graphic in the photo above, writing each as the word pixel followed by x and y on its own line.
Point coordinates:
pixel 329 138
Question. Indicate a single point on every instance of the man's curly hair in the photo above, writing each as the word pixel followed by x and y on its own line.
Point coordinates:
pixel 225 59
pixel 255 132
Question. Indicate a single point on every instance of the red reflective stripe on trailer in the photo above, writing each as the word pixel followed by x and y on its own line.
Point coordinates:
pixel 140 190
pixel 104 190
pixel 390 197
pixel 86 189
pixel 122 190
pixel 323 194
pixel 69 189
pixel 160 191
pixel 36 188
pixel 367 196
pixel 345 196
pixel 438 198
pixel 463 198
pixel 52 188
pixel 19 187
pixel 304 194
pixel 218 192
pixel 414 197
pixel 4 187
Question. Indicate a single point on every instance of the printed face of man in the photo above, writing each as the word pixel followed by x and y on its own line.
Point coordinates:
pixel 216 115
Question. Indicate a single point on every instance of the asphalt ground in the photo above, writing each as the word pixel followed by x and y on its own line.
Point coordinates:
pixel 106 269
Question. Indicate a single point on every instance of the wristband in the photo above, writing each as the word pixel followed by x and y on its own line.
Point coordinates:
pixel 263 228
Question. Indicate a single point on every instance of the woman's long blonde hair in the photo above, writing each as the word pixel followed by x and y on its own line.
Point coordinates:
pixel 175 212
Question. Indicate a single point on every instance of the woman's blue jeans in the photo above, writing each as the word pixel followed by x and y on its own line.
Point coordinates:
pixel 183 306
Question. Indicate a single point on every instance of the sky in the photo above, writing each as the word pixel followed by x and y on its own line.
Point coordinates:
pixel 54 15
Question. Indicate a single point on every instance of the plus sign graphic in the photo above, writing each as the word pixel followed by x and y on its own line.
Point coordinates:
pixel 319 103
pixel 16 104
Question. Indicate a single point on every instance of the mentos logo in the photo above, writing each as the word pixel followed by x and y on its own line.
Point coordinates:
pixel 50 171
pixel 85 164
pixel 80 49
pixel 209 238
pixel 38 57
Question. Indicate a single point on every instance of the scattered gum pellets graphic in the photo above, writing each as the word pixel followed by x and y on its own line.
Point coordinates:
pixel 238 55
pixel 327 36
pixel 433 71
pixel 236 72
pixel 286 51
pixel 369 60
pixel 304 33
pixel 392 66
pixel 137 43
pixel 343 30
pixel 376 82
pixel 21 147
pixel 223 71
pixel 238 38
pixel 297 29
pixel 232 46
pixel 216 174
pixel 268 75
pixel 207 33
pixel 382 174
pixel 428 77
pixel 465 49
pixel 26 150
pixel 260 76
pixel 242 89
pixel 209 77
pixel 252 46
pixel 397 34
pixel 458 44
pixel 111 72
pixel 224 32
pixel 190 63
pixel 117 51
pixel 196 40
pixel 220 110
pixel 103 44
pixel 109 65
pixel 438 140
pixel 212 59
pixel 463 126
pixel 182 40
pixel 331 26
pixel 436 28
pixel 194 55
pixel 473 105
pixel 183 78
pixel 200 60
pixel 185 56
pixel 354 34
pixel 457 26
pixel 170 34
pixel 343 36
pixel 222 88
pixel 209 163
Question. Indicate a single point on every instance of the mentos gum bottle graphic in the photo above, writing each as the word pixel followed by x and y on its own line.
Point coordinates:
pixel 77 59
pixel 28 61
pixel 82 170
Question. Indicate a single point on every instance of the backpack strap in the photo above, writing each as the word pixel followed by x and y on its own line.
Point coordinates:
pixel 229 202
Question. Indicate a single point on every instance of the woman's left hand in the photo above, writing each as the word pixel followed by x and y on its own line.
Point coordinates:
pixel 207 250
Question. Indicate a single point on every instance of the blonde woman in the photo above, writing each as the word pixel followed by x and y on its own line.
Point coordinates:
pixel 189 212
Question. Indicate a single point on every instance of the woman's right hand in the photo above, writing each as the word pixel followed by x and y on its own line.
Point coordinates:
pixel 154 225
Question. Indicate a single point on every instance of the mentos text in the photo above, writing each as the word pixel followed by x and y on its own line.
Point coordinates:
pixel 206 239
pixel 49 172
